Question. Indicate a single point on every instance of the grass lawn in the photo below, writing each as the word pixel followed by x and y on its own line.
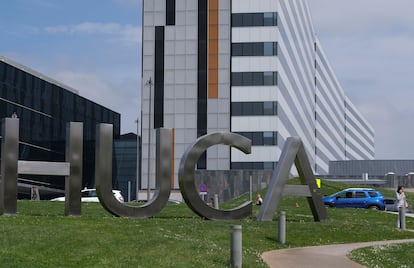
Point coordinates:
pixel 40 236
pixel 385 256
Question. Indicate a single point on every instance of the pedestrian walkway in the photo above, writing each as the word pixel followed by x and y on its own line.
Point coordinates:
pixel 319 256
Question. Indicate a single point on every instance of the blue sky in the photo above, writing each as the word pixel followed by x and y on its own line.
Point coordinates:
pixel 94 47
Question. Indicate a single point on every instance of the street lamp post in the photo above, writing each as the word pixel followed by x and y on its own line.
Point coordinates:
pixel 149 83
pixel 138 161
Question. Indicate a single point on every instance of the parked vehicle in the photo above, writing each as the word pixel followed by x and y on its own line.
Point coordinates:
pixel 90 195
pixel 171 201
pixel 356 198
pixel 391 205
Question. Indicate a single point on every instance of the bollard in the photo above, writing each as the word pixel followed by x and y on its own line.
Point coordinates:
pixel 401 218
pixel 282 227
pixel 216 203
pixel 236 246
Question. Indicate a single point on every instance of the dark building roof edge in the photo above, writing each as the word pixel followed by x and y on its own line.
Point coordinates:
pixel 37 74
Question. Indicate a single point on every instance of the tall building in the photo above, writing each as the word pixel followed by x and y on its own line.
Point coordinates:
pixel 251 67
pixel 44 106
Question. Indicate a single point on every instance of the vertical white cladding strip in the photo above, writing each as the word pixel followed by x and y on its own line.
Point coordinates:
pixel 296 75
pixel 151 18
pixel 218 115
pixel 181 87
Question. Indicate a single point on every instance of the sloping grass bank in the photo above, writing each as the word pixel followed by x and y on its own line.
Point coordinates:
pixel 40 236
pixel 385 256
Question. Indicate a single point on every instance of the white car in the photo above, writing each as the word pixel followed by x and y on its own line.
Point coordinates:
pixel 89 195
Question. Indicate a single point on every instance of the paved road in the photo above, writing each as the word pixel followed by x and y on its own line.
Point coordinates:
pixel 319 257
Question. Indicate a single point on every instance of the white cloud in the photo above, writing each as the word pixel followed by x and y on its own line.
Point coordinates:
pixel 359 16
pixel 121 96
pixel 369 44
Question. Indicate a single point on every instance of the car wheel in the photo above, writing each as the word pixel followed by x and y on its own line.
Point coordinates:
pixel 374 207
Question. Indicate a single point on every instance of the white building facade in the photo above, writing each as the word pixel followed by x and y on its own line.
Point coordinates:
pixel 249 67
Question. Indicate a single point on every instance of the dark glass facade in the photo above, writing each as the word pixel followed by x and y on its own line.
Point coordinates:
pixel 261 138
pixel 170 14
pixel 253 165
pixel 254 49
pixel 125 165
pixel 202 77
pixel 254 19
pixel 159 78
pixel 254 78
pixel 253 108
pixel 44 107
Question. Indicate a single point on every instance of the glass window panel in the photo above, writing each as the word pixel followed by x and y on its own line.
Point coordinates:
pixel 247 78
pixel 257 19
pixel 247 49
pixel 268 108
pixel 247 19
pixel 268 49
pixel 237 79
pixel 257 49
pixel 268 78
pixel 248 108
pixel 260 108
pixel 269 19
pixel 268 138
pixel 237 20
pixel 236 109
pixel 268 165
pixel 237 49
pixel 257 165
pixel 258 138
pixel 257 78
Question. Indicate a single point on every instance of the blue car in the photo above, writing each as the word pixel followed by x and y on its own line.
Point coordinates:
pixel 356 198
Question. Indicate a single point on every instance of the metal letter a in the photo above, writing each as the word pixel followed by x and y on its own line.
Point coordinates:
pixel 293 152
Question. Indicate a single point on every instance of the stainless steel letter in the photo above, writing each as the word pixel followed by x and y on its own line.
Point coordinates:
pixel 74 156
pixel 293 152
pixel 9 158
pixel 103 175
pixel 186 176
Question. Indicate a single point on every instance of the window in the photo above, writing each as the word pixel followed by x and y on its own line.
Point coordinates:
pixel 253 165
pixel 253 108
pixel 261 138
pixel 253 78
pixel 269 78
pixel 269 108
pixel 270 19
pixel 269 138
pixel 254 19
pixel 269 49
pixel 237 49
pixel 372 194
pixel 360 195
pixel 170 12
